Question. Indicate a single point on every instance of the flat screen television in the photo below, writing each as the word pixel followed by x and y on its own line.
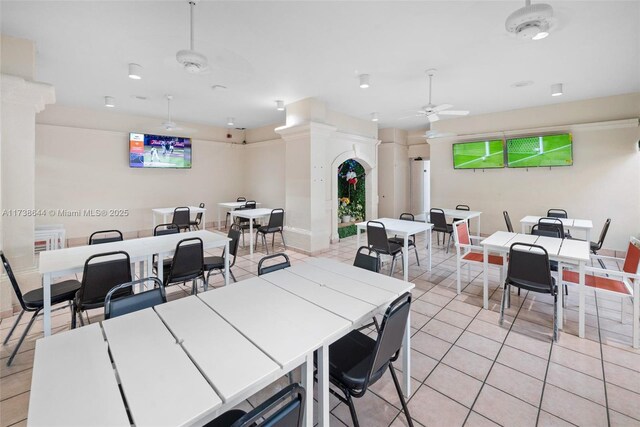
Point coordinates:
pixel 159 151
pixel 478 155
pixel 540 151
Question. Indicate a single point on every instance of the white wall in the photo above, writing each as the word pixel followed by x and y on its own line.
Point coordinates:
pixel 262 165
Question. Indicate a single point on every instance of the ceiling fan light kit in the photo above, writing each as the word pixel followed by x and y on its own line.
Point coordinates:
pixel 531 21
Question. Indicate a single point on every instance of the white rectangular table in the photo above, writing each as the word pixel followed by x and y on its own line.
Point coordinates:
pixel 583 225
pixel 403 229
pixel 68 368
pixel 250 214
pixel 456 213
pixel 165 212
pixel 71 260
pixel 568 251
pixel 228 206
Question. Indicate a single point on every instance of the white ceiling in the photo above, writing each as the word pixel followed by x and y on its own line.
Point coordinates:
pixel 267 50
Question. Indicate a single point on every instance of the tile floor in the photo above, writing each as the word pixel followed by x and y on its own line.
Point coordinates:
pixel 466 369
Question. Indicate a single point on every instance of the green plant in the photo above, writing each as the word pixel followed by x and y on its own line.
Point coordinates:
pixel 344 210
pixel 347 231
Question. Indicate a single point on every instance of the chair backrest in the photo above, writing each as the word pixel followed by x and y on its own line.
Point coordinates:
pixel 377 236
pixel 276 219
pixel 234 234
pixel 289 414
pixel 273 267
pixel 551 230
pixel 390 334
pixel 12 279
pixel 529 268
pixel 603 233
pixel 438 218
pixel 551 224
pixel 181 216
pixel 199 214
pixel 163 229
pixel 557 213
pixel 461 233
pixel 101 273
pixel 463 208
pixel 241 199
pixel 507 220
pixel 367 261
pixel 250 204
pixel 632 259
pixel 114 307
pixel 110 236
pixel 407 217
pixel 188 261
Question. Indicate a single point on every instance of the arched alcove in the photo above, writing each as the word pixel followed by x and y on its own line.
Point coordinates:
pixel 351 178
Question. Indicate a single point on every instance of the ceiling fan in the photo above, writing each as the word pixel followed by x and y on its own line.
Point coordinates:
pixel 193 62
pixel 169 125
pixel 432 111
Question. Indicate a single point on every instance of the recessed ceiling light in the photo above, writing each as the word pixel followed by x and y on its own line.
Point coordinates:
pixel 230 121
pixel 523 83
pixel 109 102
pixel 280 105
pixel 139 97
pixel 135 71
pixel 556 89
pixel 364 81
pixel 217 87
pixel 374 117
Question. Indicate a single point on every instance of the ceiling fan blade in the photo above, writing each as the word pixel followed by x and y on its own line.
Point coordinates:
pixel 455 112
pixel 433 118
pixel 441 107
pixel 409 117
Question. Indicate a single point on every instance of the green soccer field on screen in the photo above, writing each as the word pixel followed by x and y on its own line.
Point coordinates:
pixel 540 151
pixel 478 155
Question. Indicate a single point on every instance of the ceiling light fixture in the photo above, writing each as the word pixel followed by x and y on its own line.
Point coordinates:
pixel 109 101
pixel 192 61
pixel 531 21
pixel 230 121
pixel 364 81
pixel 374 117
pixel 556 89
pixel 280 105
pixel 135 71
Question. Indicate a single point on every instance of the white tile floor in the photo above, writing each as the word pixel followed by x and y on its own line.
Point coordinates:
pixel 466 369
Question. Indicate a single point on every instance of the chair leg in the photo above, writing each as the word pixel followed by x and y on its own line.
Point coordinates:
pixel 415 248
pixel 80 317
pixel 503 302
pixel 13 328
pixel 352 409
pixel 74 311
pixel 273 242
pixel 283 242
pixel 264 243
pixel 194 287
pixel 555 318
pixel 400 394
pixel 448 243
pixel 458 285
pixel 232 276
pixel 22 337
pixel 393 265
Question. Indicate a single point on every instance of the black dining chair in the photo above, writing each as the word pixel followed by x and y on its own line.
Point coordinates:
pixel 101 273
pixel 357 361
pixel 226 219
pixel 108 236
pixel 596 246
pixel 33 302
pixel 284 409
pixel 507 221
pixel 378 240
pixel 461 208
pixel 245 223
pixel 196 222
pixel 412 238
pixel 163 230
pixel 549 230
pixel 529 269
pixel 187 264
pixel 182 217
pixel 275 225
pixel 557 213
pixel 551 225
pixel 114 307
pixel 273 267
pixel 440 225
pixel 367 261
pixel 212 263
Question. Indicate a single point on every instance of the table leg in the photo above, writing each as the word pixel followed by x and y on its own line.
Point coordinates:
pixel 561 299
pixel 141 274
pixel 160 267
pixel 428 236
pixel 636 315
pixel 524 228
pixel 149 266
pixel 588 232
pixel 307 381
pixel 405 258
pixel 250 236
pixel 204 220
pixel 226 264
pixel 582 298
pixel 485 279
pixel 219 219
pixel 479 226
pixel 357 238
pixel 406 358
pixel 46 314
pixel 323 386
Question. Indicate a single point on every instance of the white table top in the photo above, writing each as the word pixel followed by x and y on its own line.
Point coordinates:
pixel 165 211
pixel 566 222
pixel 558 249
pixel 231 363
pixel 142 349
pixel 75 257
pixel 456 213
pixel 281 324
pixel 398 226
pixel 232 205
pixel 81 354
pixel 251 213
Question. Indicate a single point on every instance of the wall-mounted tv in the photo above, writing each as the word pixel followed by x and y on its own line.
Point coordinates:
pixel 478 155
pixel 543 151
pixel 159 151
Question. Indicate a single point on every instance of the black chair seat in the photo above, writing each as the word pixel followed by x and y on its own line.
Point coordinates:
pixel 211 262
pixel 400 241
pixel 531 286
pixel 226 419
pixel 350 358
pixel 166 265
pixel 267 229
pixel 394 248
pixel 62 291
pixel 447 229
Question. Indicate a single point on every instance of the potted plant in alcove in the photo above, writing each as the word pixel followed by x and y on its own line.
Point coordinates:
pixel 344 210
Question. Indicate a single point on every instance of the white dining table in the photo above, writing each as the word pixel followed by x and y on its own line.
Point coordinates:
pixel 461 214
pixel 66 261
pixel 165 212
pixel 404 229
pixel 229 206
pixel 582 225
pixel 250 214
pixel 564 251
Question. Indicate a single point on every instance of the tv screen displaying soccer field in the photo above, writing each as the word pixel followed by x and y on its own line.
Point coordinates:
pixel 543 151
pixel 159 151
pixel 478 155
